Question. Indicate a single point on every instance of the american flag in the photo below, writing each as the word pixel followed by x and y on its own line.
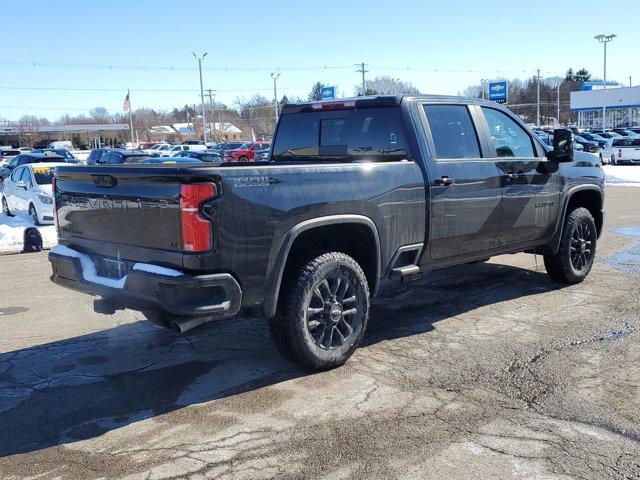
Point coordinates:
pixel 125 104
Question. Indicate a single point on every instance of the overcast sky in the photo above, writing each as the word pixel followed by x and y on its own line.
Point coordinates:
pixel 73 43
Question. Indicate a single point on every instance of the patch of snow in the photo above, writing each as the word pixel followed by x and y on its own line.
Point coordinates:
pixel 89 271
pixel 623 175
pixel 12 233
pixel 149 268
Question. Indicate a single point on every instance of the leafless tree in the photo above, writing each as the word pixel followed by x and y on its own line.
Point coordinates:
pixel 29 132
pixel 386 85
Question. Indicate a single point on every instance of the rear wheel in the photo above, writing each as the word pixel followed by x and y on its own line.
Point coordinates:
pixel 324 314
pixel 5 207
pixel 577 250
pixel 613 159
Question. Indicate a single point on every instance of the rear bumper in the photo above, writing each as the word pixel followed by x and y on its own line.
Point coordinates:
pixel 213 295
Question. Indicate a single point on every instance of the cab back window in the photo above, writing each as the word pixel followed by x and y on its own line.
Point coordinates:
pixel 343 135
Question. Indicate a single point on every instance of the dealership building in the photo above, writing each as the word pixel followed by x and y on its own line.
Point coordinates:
pixel 622 107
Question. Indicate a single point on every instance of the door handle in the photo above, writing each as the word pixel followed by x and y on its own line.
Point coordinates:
pixel 445 181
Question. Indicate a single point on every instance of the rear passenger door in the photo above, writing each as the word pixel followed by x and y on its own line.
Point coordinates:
pixel 529 182
pixel 465 197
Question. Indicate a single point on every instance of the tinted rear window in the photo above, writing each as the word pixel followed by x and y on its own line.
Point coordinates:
pixel 452 131
pixel 345 135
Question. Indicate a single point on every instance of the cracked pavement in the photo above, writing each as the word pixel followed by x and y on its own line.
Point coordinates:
pixel 479 371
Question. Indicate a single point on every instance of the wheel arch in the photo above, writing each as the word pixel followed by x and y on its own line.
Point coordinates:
pixel 299 236
pixel 590 197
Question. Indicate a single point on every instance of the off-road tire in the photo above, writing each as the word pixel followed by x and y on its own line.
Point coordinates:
pixel 290 328
pixel 560 266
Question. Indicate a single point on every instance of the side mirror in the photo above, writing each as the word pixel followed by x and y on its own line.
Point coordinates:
pixel 21 184
pixel 563 145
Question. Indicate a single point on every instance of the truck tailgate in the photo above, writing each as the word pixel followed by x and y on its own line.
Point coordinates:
pixel 130 206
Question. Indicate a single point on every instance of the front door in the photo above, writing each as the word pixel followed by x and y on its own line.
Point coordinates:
pixel 530 186
pixel 465 190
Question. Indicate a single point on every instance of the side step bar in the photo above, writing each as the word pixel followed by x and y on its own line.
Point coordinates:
pixel 405 261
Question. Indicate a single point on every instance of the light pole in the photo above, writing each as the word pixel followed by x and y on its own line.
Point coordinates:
pixel 204 121
pixel 538 99
pixel 275 93
pixel 604 39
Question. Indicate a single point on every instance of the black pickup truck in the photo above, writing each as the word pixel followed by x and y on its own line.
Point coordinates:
pixel 355 191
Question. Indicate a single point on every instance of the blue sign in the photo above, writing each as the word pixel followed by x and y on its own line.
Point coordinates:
pixel 328 93
pixel 498 92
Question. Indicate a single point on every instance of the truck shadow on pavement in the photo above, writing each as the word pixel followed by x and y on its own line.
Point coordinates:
pixel 82 387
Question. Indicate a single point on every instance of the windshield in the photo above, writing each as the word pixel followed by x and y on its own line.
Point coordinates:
pixel 344 135
pixel 209 157
pixel 135 158
pixel 43 175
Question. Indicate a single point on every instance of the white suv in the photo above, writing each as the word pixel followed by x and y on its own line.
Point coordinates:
pixel 28 191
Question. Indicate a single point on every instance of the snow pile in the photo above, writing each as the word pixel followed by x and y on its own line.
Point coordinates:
pixel 624 175
pixel 89 271
pixel 12 233
pixel 157 270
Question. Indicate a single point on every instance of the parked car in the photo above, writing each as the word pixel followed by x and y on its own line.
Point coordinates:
pixel 63 152
pixel 206 156
pixel 594 137
pixel 626 150
pixel 172 149
pixel 119 156
pixel 28 191
pixel 25 158
pixel 60 144
pixel 262 155
pixel 607 134
pixel 589 146
pixel 95 155
pixel 394 187
pixel 170 160
pixel 224 146
pixel 7 155
pixel 244 153
pixel 146 145
pixel 625 132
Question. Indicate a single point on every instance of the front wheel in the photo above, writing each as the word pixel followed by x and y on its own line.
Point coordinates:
pixel 5 208
pixel 577 250
pixel 33 213
pixel 324 314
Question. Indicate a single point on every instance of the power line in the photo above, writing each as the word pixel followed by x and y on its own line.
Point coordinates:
pixel 432 69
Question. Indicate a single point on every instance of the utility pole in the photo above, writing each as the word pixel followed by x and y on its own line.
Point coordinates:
pixel 538 100
pixel 558 105
pixel 275 93
pixel 604 39
pixel 630 81
pixel 204 120
pixel 362 71
pixel 211 95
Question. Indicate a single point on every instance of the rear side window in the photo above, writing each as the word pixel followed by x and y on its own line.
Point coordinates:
pixel 344 135
pixel 509 138
pixel 452 131
pixel 15 176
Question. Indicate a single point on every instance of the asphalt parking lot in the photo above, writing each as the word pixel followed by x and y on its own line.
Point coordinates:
pixel 480 371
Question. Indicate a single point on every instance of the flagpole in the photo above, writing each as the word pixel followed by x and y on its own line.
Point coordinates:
pixel 130 118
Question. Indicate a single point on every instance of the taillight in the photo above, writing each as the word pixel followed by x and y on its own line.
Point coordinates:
pixel 196 230
pixel 55 209
pixel 619 153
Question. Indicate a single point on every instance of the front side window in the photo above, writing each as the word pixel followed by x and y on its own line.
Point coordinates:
pixel 509 138
pixel 452 131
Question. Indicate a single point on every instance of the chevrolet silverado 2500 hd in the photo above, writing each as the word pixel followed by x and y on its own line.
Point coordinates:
pixel 355 191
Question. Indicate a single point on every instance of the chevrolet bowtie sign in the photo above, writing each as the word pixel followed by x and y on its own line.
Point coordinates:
pixel 498 92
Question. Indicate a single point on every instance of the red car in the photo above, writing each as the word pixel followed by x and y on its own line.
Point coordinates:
pixel 246 152
pixel 145 145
